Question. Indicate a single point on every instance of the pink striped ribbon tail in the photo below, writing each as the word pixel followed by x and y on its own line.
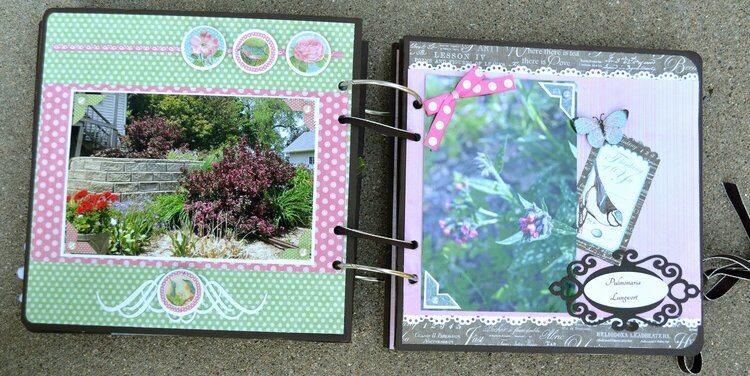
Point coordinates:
pixel 114 48
pixel 334 55
pixel 472 84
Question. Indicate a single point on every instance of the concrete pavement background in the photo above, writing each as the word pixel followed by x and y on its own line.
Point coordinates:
pixel 718 30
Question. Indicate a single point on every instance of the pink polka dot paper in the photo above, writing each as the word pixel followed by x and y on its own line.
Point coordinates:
pixel 331 180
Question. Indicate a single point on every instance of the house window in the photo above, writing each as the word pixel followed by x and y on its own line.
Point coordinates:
pixel 311 160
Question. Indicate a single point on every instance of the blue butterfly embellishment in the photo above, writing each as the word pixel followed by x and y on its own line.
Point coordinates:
pixel 601 129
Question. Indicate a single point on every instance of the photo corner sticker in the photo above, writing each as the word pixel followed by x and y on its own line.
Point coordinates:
pixel 203 48
pixel 308 53
pixel 255 51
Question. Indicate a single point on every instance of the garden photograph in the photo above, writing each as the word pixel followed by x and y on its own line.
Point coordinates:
pixel 499 199
pixel 165 175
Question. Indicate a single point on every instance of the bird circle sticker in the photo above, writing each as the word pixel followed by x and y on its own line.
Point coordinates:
pixel 308 53
pixel 203 48
pixel 255 51
pixel 180 292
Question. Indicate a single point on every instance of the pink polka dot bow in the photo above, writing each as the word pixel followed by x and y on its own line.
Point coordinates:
pixel 472 84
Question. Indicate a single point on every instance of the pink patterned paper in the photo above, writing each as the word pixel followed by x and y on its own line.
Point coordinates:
pixel 306 107
pixel 115 48
pixel 48 226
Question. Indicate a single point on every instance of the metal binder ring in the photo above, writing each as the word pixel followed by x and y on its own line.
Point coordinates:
pixel 376 112
pixel 368 279
pixel 412 278
pixel 341 230
pixel 418 102
pixel 380 127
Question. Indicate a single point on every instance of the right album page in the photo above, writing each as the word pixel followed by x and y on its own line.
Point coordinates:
pixel 555 197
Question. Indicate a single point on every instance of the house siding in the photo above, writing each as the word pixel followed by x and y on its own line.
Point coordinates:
pixel 113 108
pixel 302 158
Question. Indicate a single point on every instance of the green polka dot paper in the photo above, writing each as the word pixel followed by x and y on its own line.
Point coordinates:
pixel 169 68
pixel 64 293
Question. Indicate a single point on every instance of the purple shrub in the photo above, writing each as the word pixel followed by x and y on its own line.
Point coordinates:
pixel 152 137
pixel 147 137
pixel 237 190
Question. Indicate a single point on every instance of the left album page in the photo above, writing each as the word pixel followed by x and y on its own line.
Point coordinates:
pixel 189 170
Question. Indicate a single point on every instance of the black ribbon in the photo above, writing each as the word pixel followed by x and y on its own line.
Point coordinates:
pixel 733 270
pixel 690 364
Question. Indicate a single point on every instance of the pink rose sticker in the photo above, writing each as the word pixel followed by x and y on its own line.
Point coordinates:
pixel 308 53
pixel 204 44
pixel 203 48
pixel 309 50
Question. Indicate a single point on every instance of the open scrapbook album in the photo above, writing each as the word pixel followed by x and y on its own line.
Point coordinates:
pixel 198 174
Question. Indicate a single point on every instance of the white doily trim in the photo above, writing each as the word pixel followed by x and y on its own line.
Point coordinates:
pixel 520 320
pixel 550 71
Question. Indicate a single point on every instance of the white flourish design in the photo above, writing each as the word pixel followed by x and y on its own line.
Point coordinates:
pixel 213 298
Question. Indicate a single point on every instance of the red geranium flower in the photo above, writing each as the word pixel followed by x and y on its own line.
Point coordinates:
pixel 102 205
pixel 81 194
pixel 84 207
pixel 68 198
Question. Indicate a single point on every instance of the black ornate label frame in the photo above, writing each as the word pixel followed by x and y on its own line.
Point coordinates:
pixel 571 289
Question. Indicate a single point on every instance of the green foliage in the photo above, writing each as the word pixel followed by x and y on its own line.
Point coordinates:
pixel 478 241
pixel 131 228
pixel 182 155
pixel 206 121
pixel 294 205
pixel 210 122
pixel 210 158
pixel 169 207
pixel 183 239
pixel 270 122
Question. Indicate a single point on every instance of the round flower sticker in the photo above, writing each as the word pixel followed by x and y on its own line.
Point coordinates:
pixel 308 53
pixel 203 48
pixel 255 51
pixel 180 292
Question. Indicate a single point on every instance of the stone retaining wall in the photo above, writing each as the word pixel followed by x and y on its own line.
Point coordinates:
pixel 126 177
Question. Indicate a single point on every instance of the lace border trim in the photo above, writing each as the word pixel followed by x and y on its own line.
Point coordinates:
pixel 564 72
pixel 516 321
